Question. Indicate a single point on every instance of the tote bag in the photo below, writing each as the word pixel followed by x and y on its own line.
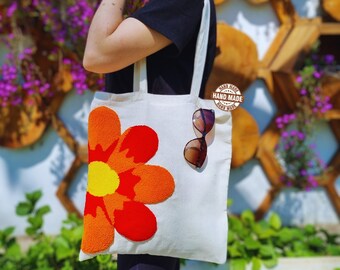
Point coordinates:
pixel 142 196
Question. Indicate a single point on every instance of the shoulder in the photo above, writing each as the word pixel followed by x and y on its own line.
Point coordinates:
pixel 175 19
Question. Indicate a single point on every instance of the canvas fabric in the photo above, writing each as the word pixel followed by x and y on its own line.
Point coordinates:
pixel 142 196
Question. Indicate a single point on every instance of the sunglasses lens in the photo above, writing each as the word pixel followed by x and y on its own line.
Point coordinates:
pixel 203 120
pixel 195 152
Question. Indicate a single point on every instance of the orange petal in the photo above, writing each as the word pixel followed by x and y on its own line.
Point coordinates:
pixel 98 233
pixel 136 222
pixel 103 128
pixel 156 184
pixel 137 144
pixel 113 202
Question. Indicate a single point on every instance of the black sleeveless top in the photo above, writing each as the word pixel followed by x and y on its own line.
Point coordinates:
pixel 170 70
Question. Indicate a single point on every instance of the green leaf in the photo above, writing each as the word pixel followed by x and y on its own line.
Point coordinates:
pixel 233 251
pixel 43 210
pixel 267 251
pixel 256 263
pixel 36 221
pixel 251 244
pixel 263 230
pixel 301 249
pixel 104 259
pixel 63 249
pixel 235 224
pixel 67 266
pixel 231 236
pixel 270 263
pixel 237 227
pixel 331 238
pixel 8 232
pixel 238 264
pixel 13 252
pixel 299 246
pixel 24 208
pixel 248 217
pixel 316 242
pixel 333 250
pixel 34 196
pixel 286 235
pixel 275 221
pixel 77 233
pixel 229 203
pixel 309 230
pixel 31 231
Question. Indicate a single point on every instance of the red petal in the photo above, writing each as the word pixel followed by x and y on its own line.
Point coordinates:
pixel 136 222
pixel 141 142
pixel 127 184
pixel 91 204
pixel 98 154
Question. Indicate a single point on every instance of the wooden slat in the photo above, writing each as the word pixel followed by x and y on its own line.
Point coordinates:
pixel 301 38
pixel 266 154
pixel 64 133
pixel 285 92
pixel 332 114
pixel 285 11
pixel 266 203
pixel 270 166
pixel 330 29
pixel 335 126
pixel 62 192
pixel 266 76
pixel 276 45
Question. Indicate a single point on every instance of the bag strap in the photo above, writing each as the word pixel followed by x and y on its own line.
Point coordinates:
pixel 140 80
pixel 201 50
pixel 140 72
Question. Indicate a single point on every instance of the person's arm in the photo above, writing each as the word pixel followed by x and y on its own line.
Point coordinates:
pixel 114 43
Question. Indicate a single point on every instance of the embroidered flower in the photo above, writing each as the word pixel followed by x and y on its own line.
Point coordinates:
pixel 120 183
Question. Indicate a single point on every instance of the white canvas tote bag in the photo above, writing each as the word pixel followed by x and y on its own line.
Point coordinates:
pixel 143 196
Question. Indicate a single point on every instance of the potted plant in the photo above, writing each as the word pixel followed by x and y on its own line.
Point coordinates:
pixel 44 42
pixel 303 168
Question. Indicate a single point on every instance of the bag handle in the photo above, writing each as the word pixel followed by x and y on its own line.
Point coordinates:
pixel 140 80
pixel 140 72
pixel 201 50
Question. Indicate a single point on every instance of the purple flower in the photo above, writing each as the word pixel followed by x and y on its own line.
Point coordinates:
pixel 329 59
pixel 317 75
pixel 301 136
pixel 328 106
pixel 299 79
pixel 292 116
pixel 303 92
pixel 285 134
pixel 310 164
pixel 293 132
pixel 12 8
pixel 312 181
pixel 303 172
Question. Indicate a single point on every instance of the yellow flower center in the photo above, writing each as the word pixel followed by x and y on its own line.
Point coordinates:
pixel 102 180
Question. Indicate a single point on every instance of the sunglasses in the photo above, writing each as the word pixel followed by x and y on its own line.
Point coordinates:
pixel 195 151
